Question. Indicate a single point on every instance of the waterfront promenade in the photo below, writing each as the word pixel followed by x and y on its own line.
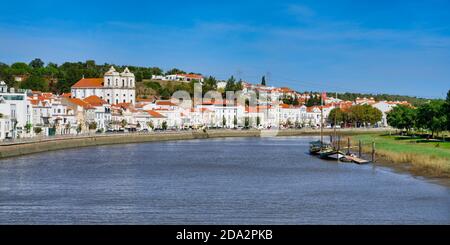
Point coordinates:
pixel 42 144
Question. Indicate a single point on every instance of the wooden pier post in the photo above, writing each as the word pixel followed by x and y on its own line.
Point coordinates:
pixel 359 149
pixel 348 146
pixel 338 138
pixel 339 142
pixel 373 151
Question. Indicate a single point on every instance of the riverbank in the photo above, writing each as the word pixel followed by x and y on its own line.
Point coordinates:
pixel 36 145
pixel 415 155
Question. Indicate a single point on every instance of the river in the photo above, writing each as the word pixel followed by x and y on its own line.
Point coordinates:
pixel 213 181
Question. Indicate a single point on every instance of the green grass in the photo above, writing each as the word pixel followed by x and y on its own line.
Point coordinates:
pixel 405 144
pixel 426 157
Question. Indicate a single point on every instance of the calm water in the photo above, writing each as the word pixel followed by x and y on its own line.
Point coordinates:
pixel 223 181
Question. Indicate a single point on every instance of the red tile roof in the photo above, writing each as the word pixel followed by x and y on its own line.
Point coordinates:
pixel 94 100
pixel 165 102
pixel 155 114
pixel 79 102
pixel 89 83
pixel 193 76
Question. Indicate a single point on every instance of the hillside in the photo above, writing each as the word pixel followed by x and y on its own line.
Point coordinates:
pixel 59 78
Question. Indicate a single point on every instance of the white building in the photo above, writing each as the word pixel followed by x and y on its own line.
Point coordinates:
pixel 5 122
pixel 384 107
pixel 16 106
pixel 114 87
pixel 180 77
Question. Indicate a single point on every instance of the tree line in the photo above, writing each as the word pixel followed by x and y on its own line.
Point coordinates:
pixel 55 78
pixel 209 84
pixel 357 116
pixel 379 97
pixel 433 116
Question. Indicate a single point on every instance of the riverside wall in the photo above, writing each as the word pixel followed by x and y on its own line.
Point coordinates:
pixel 12 149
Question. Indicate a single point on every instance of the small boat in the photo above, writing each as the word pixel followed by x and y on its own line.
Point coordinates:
pixel 337 156
pixel 330 153
pixel 317 146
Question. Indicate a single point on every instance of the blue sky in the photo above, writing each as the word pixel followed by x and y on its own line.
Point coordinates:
pixel 399 47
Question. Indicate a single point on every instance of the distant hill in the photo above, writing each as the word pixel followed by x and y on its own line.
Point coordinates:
pixel 379 97
pixel 51 77
pixel 55 78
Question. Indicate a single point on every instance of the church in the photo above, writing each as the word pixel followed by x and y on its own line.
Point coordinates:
pixel 114 87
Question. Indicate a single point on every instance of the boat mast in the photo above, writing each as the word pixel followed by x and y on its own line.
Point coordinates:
pixel 321 119
pixel 335 121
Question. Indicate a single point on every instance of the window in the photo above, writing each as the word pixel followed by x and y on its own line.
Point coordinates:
pixel 13 111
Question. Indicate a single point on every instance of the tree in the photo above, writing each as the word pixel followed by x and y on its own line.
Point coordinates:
pixel 150 125
pixel 258 121
pixel 139 76
pixel 79 128
pixel 337 115
pixel 314 100
pixel 230 86
pixel 239 86
pixel 36 63
pixel 35 83
pixel 20 68
pixel 6 75
pixel 402 117
pixel 361 115
pixel 92 125
pixel 247 122
pixel 263 81
pixel 235 121
pixel 432 116
pixel 447 109
pixel 164 125
pixel 123 123
pixel 28 127
pixel 37 130
pixel 373 115
pixel 224 121
pixel 175 71
pixel 210 84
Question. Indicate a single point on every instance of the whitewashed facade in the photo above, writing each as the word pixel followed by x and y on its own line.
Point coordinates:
pixel 114 87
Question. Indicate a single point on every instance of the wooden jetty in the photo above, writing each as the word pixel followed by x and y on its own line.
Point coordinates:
pixel 332 150
pixel 355 159
pixel 327 151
